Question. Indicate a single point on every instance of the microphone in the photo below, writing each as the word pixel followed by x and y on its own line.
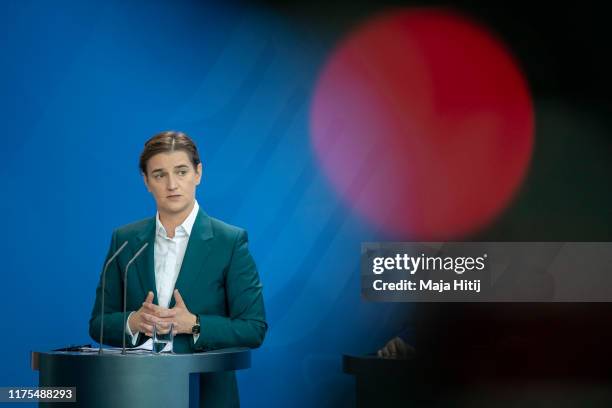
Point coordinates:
pixel 111 259
pixel 125 289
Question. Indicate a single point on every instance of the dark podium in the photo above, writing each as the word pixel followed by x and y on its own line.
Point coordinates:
pixel 486 378
pixel 383 382
pixel 134 380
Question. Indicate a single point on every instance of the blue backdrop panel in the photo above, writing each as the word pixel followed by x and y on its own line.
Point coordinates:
pixel 84 85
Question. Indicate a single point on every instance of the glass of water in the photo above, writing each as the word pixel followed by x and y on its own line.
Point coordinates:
pixel 163 337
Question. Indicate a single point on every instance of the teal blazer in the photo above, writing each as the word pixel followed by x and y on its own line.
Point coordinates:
pixel 218 281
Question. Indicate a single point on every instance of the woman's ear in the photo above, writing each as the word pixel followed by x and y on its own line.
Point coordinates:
pixel 199 170
pixel 146 181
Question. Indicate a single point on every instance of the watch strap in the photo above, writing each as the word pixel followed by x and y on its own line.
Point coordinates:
pixel 196 327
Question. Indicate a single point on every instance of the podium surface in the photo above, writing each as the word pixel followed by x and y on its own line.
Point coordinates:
pixel 134 380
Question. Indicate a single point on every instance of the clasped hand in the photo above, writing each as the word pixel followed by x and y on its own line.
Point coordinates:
pixel 149 313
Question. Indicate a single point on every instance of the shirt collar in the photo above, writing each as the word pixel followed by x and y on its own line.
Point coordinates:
pixel 185 227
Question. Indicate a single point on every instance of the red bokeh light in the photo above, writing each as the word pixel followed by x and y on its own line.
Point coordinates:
pixel 423 123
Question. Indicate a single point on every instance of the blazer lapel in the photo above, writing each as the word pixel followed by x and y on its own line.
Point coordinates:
pixel 195 254
pixel 146 262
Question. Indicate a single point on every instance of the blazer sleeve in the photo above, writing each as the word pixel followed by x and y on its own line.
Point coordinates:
pixel 246 324
pixel 114 329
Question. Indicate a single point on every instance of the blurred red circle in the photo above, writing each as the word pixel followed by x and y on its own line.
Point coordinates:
pixel 423 123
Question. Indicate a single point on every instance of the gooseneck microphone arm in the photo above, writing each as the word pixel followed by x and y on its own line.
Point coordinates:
pixel 110 260
pixel 125 290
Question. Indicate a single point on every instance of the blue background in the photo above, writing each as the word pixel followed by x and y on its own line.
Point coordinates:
pixel 84 85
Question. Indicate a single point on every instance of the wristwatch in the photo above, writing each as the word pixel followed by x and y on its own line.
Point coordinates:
pixel 196 327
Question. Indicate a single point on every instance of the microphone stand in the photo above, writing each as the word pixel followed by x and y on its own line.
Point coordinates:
pixel 112 258
pixel 125 290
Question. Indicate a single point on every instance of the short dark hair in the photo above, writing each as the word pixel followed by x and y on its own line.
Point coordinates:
pixel 166 142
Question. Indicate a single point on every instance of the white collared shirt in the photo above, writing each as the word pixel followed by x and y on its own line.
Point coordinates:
pixel 168 256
